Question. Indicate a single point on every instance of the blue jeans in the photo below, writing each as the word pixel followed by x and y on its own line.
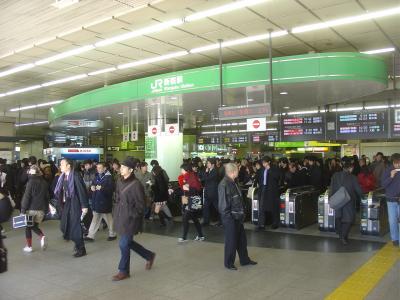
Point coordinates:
pixel 394 215
pixel 126 244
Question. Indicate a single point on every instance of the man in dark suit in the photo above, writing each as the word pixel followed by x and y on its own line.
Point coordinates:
pixel 210 190
pixel 269 195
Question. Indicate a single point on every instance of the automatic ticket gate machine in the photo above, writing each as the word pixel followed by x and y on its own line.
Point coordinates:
pixel 374 215
pixel 326 214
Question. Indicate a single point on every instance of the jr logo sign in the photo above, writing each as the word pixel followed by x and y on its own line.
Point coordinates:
pixel 169 84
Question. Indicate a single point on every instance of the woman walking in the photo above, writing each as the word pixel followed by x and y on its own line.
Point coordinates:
pixel 160 192
pixel 34 203
pixel 128 216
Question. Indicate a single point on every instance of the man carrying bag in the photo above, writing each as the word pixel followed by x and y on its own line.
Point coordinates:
pixel 344 192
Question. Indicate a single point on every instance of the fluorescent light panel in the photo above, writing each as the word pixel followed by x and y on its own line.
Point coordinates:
pixel 76 77
pixel 36 105
pixel 348 20
pixel 31 123
pixel 29 88
pixel 222 9
pixel 384 50
pixel 65 54
pixel 152 60
pixel 16 70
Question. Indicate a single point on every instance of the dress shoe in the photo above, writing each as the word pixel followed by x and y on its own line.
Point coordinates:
pixel 232 268
pixel 150 262
pixel 250 263
pixel 395 243
pixel 88 239
pixel 205 224
pixel 274 227
pixel 111 238
pixel 344 242
pixel 120 276
pixel 80 253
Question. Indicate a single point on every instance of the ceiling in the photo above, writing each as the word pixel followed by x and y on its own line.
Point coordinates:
pixel 32 30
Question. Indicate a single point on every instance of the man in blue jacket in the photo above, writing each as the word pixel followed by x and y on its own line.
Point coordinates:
pixel 102 190
pixel 391 183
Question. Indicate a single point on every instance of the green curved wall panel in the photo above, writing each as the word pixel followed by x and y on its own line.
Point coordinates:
pixel 291 69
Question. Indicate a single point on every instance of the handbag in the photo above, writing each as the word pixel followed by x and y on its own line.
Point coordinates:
pixel 195 203
pixel 339 199
pixel 22 221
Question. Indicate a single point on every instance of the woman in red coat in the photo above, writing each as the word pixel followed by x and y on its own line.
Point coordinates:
pixel 366 178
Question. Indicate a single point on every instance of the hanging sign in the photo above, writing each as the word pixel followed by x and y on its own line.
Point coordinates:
pixel 171 129
pixel 125 137
pixel 154 130
pixel 134 136
pixel 244 112
pixel 256 124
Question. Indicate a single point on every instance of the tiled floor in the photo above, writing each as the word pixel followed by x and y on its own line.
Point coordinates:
pixel 190 271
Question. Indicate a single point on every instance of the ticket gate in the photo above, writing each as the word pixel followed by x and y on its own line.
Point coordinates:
pixel 326 214
pixel 299 207
pixel 374 215
pixel 254 206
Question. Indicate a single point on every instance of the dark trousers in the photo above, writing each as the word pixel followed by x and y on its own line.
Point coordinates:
pixel 235 240
pixel 209 202
pixel 342 228
pixel 35 228
pixel 126 244
pixel 188 215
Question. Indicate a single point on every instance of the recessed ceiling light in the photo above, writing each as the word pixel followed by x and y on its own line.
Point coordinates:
pixel 199 110
pixel 250 100
pixel 286 107
pixel 120 113
pixel 283 93
pixel 116 126
pixel 134 109
pixel 108 117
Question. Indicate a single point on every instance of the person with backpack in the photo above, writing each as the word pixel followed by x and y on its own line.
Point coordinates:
pixel 191 188
pixel 34 203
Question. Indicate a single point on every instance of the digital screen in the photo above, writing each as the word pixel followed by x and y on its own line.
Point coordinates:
pixel 302 128
pixel 265 137
pixel 235 139
pixel 357 125
pixel 201 140
pixel 395 122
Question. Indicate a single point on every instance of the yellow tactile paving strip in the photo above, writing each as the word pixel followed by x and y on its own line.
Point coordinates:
pixel 362 281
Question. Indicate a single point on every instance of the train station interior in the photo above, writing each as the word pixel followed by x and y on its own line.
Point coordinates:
pixel 296 103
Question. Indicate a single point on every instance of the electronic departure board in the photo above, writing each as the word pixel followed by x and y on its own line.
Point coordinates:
pixel 265 137
pixel 201 140
pixel 303 128
pixel 235 139
pixel 395 122
pixel 363 124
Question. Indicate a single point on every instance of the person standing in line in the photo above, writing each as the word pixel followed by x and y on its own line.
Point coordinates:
pixel 210 190
pixel 144 176
pixel 391 184
pixel 70 191
pixel 128 216
pixel 269 195
pixel 102 203
pixel 378 167
pixel 232 214
pixel 344 216
pixel 191 187
pixel 34 203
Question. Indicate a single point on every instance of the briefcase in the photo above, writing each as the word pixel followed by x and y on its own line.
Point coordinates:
pixel 22 221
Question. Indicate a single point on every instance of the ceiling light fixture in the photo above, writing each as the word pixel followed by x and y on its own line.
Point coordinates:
pixel 348 20
pixel 384 50
pixel 286 107
pixel 106 70
pixel 31 123
pixel 65 54
pixel 306 112
pixel 140 32
pixel 152 60
pixel 222 9
pixel 348 108
pixel 29 88
pixel 199 110
pixel 283 93
pixel 242 41
pixel 72 78
pixel 36 105
pixel 16 70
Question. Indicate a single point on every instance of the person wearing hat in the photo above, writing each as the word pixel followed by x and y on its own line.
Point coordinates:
pixel 128 216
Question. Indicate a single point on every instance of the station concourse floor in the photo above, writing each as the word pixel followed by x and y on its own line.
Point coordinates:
pixel 290 266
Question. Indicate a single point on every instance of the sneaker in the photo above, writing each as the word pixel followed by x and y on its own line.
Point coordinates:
pixel 28 249
pixel 182 240
pixel 43 243
pixel 111 238
pixel 199 238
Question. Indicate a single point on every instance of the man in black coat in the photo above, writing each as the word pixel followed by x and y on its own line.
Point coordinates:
pixel 128 216
pixel 345 215
pixel 71 193
pixel 269 194
pixel 230 206
pixel 210 190
pixel 102 190
pixel 315 173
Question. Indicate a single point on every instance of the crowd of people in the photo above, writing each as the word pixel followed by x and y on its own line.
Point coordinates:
pixel 120 196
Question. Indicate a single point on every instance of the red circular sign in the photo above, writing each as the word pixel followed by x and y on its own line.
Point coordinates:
pixel 256 124
pixel 154 130
pixel 171 129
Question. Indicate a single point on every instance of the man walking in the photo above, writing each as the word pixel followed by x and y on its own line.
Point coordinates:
pixel 232 214
pixel 210 191
pixel 102 190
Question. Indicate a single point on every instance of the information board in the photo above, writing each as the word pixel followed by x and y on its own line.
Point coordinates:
pixel 363 124
pixel 303 128
pixel 265 137
pixel 395 122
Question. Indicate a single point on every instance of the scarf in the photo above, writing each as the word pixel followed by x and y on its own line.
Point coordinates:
pixel 69 193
